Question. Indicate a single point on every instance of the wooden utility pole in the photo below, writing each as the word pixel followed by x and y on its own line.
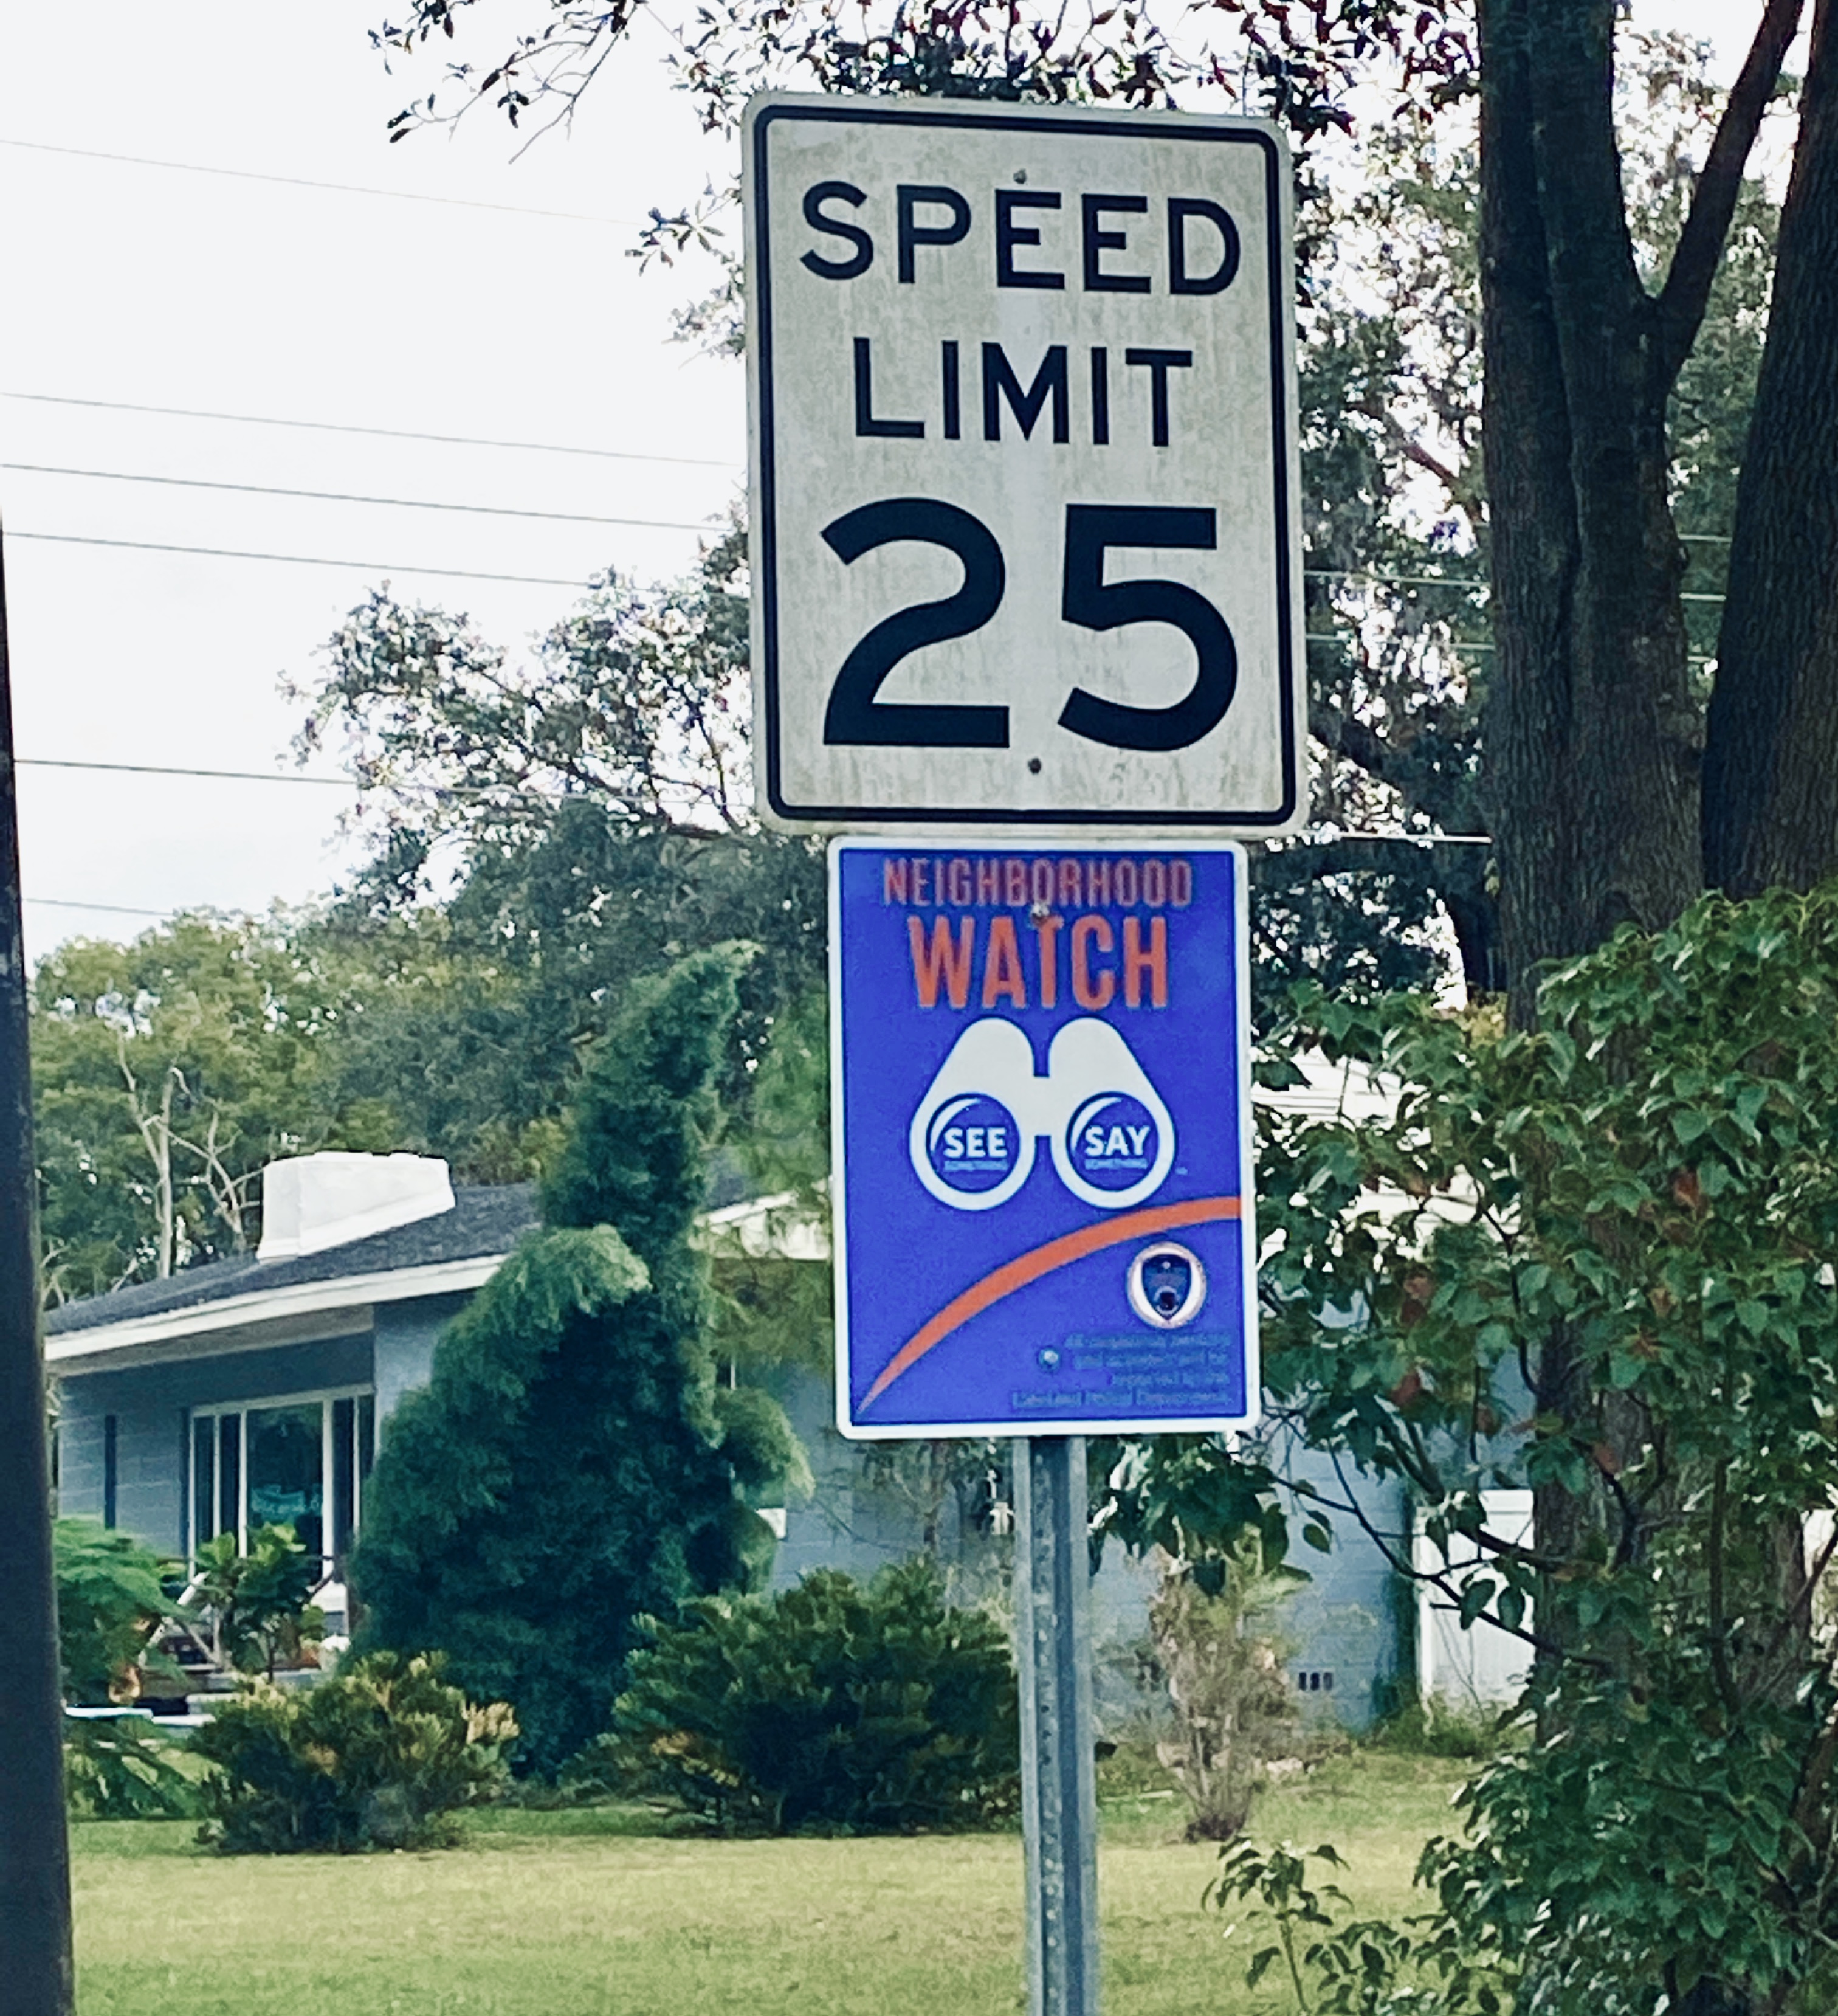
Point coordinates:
pixel 35 1968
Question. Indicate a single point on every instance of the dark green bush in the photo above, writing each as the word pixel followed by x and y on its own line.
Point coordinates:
pixel 572 1465
pixel 830 1707
pixel 382 1755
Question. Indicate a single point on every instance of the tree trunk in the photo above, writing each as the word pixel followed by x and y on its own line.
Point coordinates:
pixel 1770 765
pixel 155 1135
pixel 1711 1998
pixel 1591 734
pixel 1593 737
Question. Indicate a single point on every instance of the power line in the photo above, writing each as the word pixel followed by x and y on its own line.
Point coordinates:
pixel 1398 580
pixel 1433 580
pixel 590 518
pixel 281 777
pixel 381 433
pixel 1417 839
pixel 1424 839
pixel 524 796
pixel 182 770
pixel 115 909
pixel 508 511
pixel 297 560
pixel 1327 839
pixel 479 573
pixel 346 497
pixel 1459 645
pixel 303 182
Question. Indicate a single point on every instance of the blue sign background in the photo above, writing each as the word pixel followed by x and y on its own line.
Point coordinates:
pixel 972 1298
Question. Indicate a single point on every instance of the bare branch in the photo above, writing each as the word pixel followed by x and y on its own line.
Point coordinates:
pixel 1680 307
pixel 1402 1565
pixel 1462 492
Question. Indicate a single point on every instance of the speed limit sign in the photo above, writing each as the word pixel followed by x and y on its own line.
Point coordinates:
pixel 1025 549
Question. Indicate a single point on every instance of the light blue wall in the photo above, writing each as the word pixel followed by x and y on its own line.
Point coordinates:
pixel 1344 1621
pixel 847 1524
pixel 79 1456
pixel 406 1334
pixel 151 1404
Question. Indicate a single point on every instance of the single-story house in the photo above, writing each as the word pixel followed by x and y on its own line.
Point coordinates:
pixel 258 1389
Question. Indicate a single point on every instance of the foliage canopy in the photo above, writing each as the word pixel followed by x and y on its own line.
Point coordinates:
pixel 1595 1258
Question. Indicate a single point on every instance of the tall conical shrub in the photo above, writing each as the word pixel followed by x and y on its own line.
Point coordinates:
pixel 572 1462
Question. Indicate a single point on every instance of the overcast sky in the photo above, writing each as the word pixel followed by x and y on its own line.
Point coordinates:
pixel 153 287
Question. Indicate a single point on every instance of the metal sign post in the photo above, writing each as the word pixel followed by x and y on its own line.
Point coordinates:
pixel 1043 1223
pixel 1026 561
pixel 1059 1772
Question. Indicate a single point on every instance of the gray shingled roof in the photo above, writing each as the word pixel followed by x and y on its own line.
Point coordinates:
pixel 485 1219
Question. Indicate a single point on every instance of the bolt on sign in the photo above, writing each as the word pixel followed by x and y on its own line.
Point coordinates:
pixel 1041 1128
pixel 1026 548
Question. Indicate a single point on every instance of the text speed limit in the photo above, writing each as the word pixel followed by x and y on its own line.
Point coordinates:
pixel 1024 497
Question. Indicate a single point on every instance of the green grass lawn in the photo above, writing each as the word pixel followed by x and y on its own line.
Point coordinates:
pixel 589 1913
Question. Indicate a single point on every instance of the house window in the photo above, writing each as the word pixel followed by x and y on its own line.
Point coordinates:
pixel 300 1460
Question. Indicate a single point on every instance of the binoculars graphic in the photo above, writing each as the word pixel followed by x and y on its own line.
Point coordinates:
pixel 974 1137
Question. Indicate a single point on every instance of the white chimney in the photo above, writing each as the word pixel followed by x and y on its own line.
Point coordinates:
pixel 311 1202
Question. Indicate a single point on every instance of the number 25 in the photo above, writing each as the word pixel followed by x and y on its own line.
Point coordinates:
pixel 855 716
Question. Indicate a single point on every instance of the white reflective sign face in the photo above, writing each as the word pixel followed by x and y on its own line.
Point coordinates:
pixel 1024 468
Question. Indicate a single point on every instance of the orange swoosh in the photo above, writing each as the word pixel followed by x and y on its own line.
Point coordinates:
pixel 1029 1267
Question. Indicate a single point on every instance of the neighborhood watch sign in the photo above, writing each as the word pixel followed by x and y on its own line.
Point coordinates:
pixel 1041 1128
pixel 1024 510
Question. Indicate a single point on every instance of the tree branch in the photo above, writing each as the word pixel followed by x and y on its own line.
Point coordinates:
pixel 1362 745
pixel 1462 491
pixel 1720 1666
pixel 1401 1563
pixel 1680 307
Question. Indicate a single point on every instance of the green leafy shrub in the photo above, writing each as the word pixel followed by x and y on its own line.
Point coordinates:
pixel 110 1597
pixel 1232 1710
pixel 380 1756
pixel 114 1770
pixel 829 1707
pixel 1337 1965
pixel 257 1598
pixel 1629 1214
